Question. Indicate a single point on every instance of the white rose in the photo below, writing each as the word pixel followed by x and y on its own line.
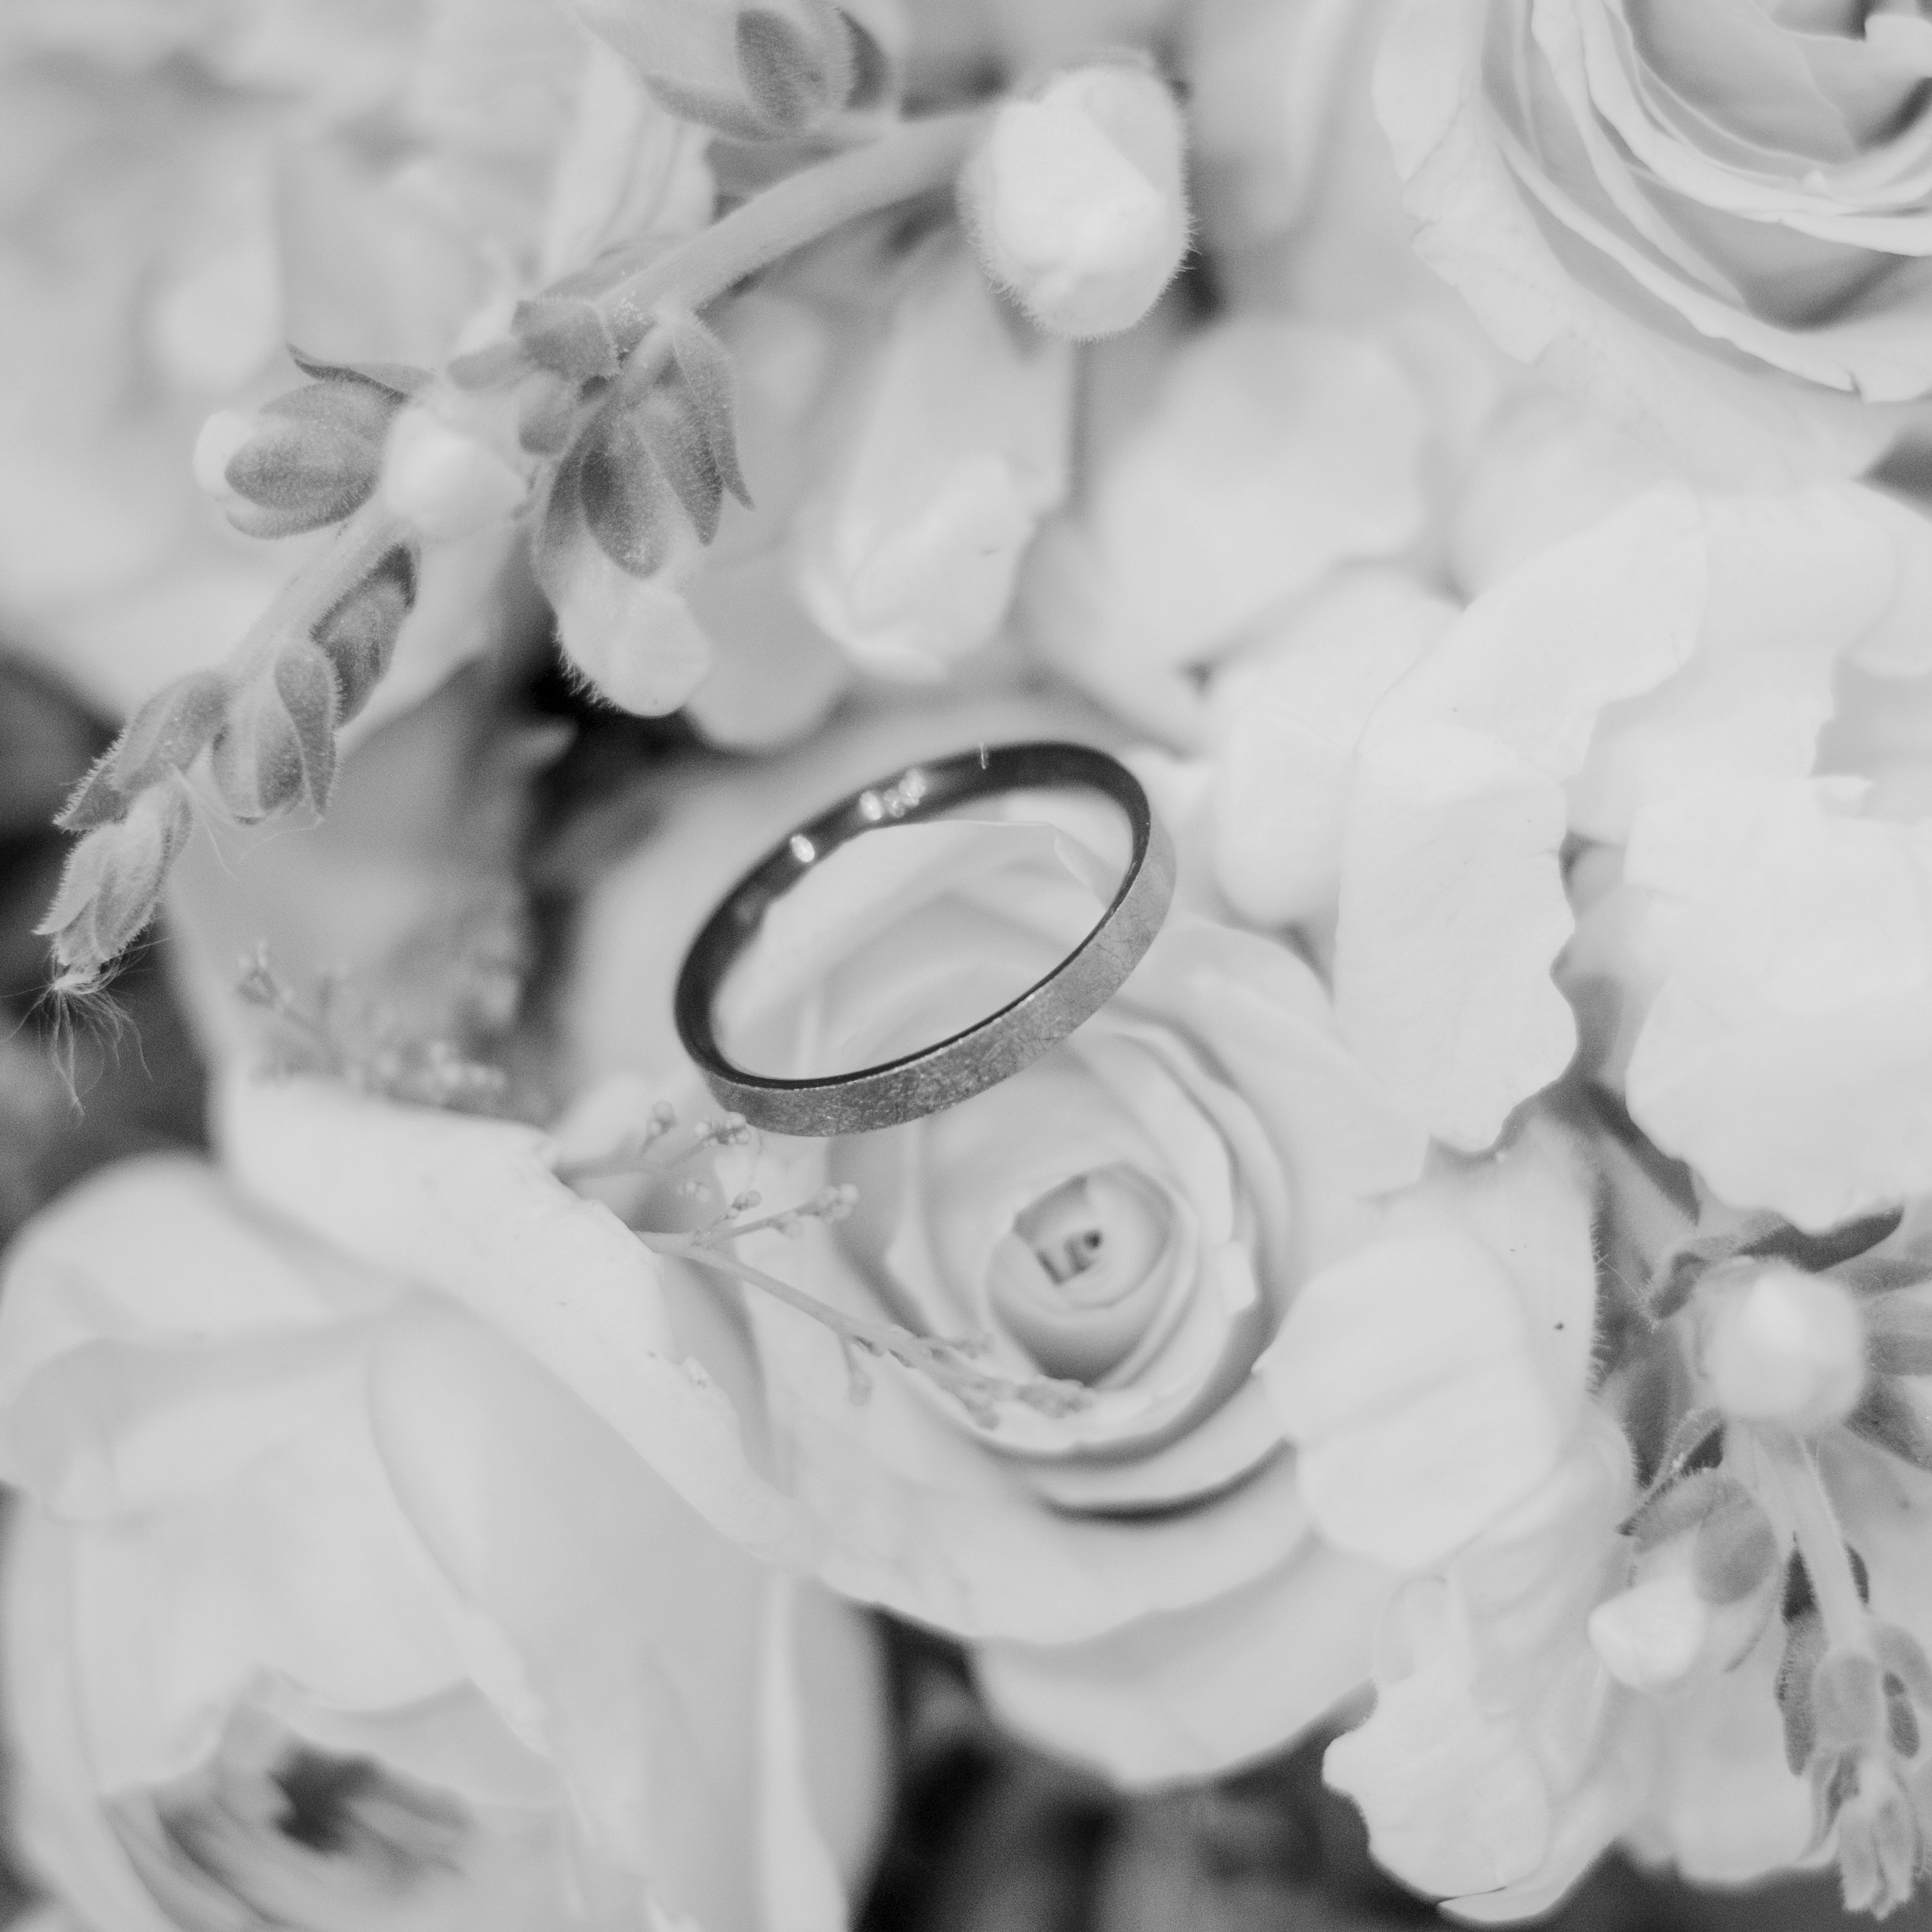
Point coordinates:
pixel 329 1603
pixel 1707 221
pixel 1141 1584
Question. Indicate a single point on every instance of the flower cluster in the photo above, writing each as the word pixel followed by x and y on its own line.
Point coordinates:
pixel 1471 1286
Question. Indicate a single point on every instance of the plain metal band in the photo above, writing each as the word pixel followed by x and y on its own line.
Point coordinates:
pixel 996 1047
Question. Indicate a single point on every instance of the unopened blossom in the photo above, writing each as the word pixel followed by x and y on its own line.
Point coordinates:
pixel 1075 201
pixel 1703 219
pixel 323 1594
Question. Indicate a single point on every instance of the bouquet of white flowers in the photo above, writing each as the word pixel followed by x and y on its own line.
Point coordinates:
pixel 1417 1257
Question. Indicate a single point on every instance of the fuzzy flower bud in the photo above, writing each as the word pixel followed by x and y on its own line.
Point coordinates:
pixel 1075 199
pixel 278 744
pixel 1782 1346
pixel 633 637
pixel 111 885
pixel 305 460
pixel 1878 1838
pixel 445 481
pixel 358 635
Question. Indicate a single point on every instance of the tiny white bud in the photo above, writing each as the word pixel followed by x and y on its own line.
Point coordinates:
pixel 1075 199
pixel 1652 1635
pixel 445 482
pixel 1782 1346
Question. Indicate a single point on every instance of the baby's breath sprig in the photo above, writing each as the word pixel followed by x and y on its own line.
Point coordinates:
pixel 951 1363
pixel 348 1038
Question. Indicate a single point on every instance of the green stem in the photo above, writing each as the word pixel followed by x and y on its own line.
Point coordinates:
pixel 915 159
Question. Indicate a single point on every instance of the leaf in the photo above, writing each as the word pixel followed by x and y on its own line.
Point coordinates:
pixel 1683 1505
pixel 1815 1253
pixel 1803 1650
pixel 1735 1550
pixel 359 634
pixel 704 366
pixel 96 801
pixel 1679 1272
pixel 170 731
pixel 305 682
pixel 875 80
pixel 546 410
pixel 794 78
pixel 1884 1274
pixel 1901 1720
pixel 626 500
pixel 1887 1416
pixel 1898 1336
pixel 720 112
pixel 1904 1657
pixel 566 337
pixel 1763 1236
pixel 681 453
pixel 401 380
pixel 1697 1442
pixel 495 366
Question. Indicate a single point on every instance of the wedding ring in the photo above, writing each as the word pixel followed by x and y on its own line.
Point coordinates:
pixel 994 1048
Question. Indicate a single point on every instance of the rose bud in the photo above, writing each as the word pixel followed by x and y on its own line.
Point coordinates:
pixel 1075 199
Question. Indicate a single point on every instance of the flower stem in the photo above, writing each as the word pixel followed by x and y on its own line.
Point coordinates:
pixel 1820 1541
pixel 321 583
pixel 914 159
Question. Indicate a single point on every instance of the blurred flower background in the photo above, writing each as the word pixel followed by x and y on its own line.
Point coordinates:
pixel 1467 455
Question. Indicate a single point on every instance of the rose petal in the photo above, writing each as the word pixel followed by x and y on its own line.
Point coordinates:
pixel 1430 1381
pixel 57 1817
pixel 1476 230
pixel 1453 911
pixel 1291 711
pixel 1193 1694
pixel 469 1206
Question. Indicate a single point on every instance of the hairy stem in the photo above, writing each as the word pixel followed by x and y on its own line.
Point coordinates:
pixel 913 160
pixel 357 546
pixel 1820 1540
